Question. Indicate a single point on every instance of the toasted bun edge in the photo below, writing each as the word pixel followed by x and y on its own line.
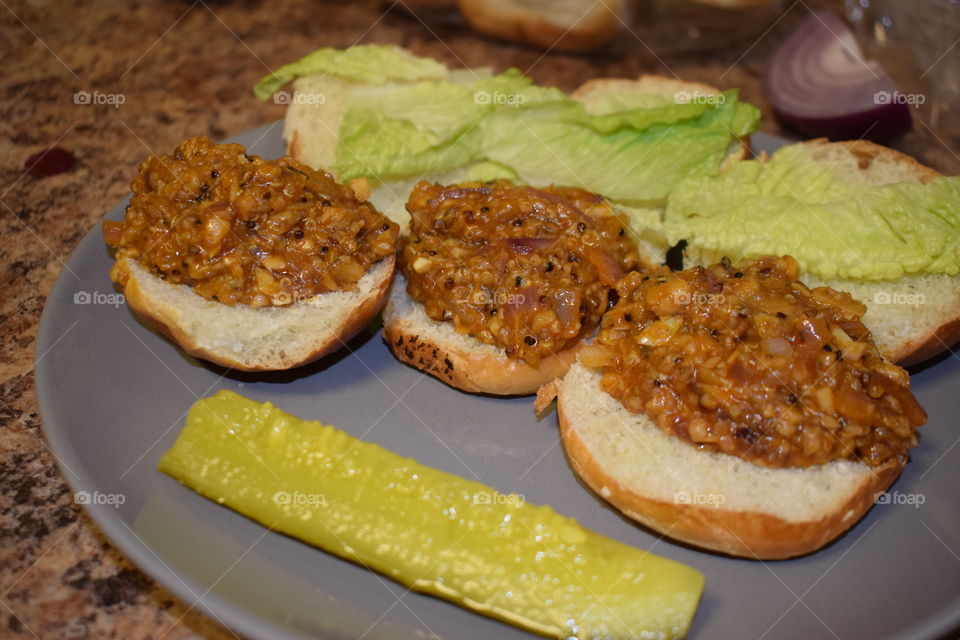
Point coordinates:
pixel 461 368
pixel 753 535
pixel 166 319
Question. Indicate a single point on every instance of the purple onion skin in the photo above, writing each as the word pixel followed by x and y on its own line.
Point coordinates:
pixel 878 125
pixel 790 82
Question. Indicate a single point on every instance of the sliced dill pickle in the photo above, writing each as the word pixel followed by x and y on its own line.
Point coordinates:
pixel 430 530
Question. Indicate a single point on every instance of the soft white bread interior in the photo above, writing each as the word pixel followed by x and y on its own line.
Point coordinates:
pixel 912 318
pixel 712 500
pixel 310 126
pixel 561 25
pixel 457 359
pixel 250 338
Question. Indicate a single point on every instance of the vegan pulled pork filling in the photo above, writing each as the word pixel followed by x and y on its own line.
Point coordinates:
pixel 239 229
pixel 528 270
pixel 750 362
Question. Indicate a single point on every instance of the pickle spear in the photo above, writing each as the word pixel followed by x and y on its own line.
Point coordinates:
pixel 432 531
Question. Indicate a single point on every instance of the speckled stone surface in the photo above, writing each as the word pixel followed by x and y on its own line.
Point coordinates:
pixel 182 69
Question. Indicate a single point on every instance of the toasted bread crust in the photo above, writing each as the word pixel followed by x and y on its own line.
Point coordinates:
pixel 753 535
pixel 867 152
pixel 934 343
pixel 167 319
pixel 472 372
pixel 661 83
pixel 294 148
pixel 509 21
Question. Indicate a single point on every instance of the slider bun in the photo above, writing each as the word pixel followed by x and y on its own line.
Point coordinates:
pixel 249 338
pixel 905 333
pixel 457 359
pixel 708 499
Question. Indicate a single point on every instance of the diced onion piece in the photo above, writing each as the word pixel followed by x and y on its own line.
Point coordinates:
pixel 111 232
pixel 777 347
pixel 422 265
pixel 568 307
pixel 597 355
pixel 526 246
pixel 660 331
pixel 607 268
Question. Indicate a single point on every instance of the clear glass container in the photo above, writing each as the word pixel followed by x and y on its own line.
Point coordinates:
pixel 677 26
pixel 918 43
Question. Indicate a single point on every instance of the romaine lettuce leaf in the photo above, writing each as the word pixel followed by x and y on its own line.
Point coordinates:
pixel 631 164
pixel 370 64
pixel 833 225
pixel 403 117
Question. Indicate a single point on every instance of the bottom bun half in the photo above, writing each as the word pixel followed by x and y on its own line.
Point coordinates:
pixel 707 499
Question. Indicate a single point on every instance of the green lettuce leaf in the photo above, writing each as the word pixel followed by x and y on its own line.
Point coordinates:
pixel 833 225
pixel 370 64
pixel 637 162
pixel 372 144
pixel 393 118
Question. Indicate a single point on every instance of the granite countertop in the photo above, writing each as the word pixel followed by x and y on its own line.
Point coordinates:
pixel 184 69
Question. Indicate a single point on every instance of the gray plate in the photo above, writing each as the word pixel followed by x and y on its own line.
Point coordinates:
pixel 113 396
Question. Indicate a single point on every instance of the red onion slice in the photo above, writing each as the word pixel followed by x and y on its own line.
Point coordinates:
pixel 526 246
pixel 462 192
pixel 819 83
pixel 568 308
pixel 608 270
pixel 555 199
pixel 521 300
